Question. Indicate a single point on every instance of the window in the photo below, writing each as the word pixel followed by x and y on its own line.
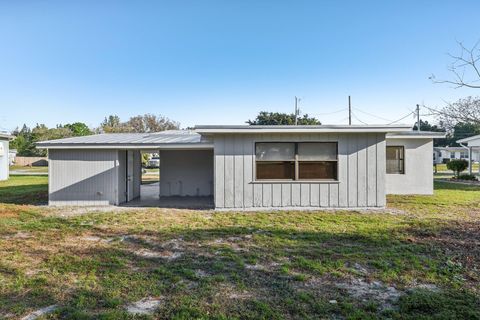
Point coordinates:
pixel 395 159
pixel 296 161
pixel 452 155
pixel 463 154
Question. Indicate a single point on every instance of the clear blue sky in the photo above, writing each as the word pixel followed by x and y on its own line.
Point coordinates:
pixel 220 62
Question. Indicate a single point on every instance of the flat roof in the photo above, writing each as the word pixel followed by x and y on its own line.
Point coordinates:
pixel 6 136
pixel 469 139
pixel 417 135
pixel 175 139
pixel 210 129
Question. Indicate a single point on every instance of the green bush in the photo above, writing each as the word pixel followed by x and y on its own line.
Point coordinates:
pixel 467 177
pixel 457 166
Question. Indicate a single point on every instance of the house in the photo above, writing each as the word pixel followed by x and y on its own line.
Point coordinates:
pixel 4 153
pixel 12 154
pixel 246 167
pixel 472 144
pixel 445 154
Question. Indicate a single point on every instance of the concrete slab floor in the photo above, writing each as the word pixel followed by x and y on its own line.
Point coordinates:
pixel 149 197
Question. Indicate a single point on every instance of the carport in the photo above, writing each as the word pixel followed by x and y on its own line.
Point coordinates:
pixel 471 144
pixel 107 169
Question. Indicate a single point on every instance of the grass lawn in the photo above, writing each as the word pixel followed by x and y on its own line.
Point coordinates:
pixel 443 167
pixel 42 169
pixel 418 259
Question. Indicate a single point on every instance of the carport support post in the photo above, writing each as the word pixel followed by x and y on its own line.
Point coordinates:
pixel 470 162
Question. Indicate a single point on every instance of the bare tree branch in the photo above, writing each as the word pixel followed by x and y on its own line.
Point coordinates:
pixel 465 68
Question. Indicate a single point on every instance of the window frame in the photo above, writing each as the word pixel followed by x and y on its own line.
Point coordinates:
pixel 296 162
pixel 403 159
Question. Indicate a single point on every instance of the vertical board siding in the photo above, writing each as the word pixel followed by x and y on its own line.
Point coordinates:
pixel 219 151
pixel 83 177
pixel 381 170
pixel 361 176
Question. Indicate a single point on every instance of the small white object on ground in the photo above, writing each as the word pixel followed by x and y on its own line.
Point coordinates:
pixel 145 306
pixel 40 312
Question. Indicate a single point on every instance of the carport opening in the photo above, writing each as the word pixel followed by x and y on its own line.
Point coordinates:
pixel 176 179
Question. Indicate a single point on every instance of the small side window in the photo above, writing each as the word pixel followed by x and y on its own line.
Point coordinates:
pixel 395 159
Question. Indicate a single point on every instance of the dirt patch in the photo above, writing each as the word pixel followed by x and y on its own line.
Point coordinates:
pixel 361 290
pixel 146 306
pixel 40 312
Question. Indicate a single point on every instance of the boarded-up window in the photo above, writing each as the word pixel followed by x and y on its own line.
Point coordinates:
pixel 395 159
pixel 296 161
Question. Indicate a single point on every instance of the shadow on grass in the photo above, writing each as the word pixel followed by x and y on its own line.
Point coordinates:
pixel 447 185
pixel 34 194
pixel 240 272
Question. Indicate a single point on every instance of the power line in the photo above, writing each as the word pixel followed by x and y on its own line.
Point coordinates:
pixel 328 113
pixel 372 115
pixel 355 116
pixel 412 112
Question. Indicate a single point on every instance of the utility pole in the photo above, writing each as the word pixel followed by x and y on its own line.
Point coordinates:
pixel 349 111
pixel 296 110
pixel 418 117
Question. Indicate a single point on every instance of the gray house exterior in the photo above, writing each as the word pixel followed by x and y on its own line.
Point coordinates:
pixel 247 167
pixel 4 156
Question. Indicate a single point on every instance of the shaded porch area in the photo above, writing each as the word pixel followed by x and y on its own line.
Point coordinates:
pixel 149 197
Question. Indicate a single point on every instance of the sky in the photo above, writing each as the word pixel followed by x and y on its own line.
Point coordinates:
pixel 221 62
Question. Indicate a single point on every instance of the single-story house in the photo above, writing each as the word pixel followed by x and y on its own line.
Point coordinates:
pixel 247 167
pixel 472 144
pixel 4 161
pixel 12 154
pixel 445 154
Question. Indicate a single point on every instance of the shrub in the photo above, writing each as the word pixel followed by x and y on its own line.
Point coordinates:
pixel 457 166
pixel 467 177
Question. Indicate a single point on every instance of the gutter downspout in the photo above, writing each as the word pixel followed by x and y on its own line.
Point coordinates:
pixel 469 157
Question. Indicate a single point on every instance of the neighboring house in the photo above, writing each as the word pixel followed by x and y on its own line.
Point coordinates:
pixel 4 162
pixel 473 146
pixel 12 154
pixel 248 167
pixel 445 154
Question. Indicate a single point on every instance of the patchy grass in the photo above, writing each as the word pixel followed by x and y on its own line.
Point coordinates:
pixel 24 190
pixel 417 260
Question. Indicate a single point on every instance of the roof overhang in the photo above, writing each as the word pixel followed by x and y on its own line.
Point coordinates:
pixel 473 141
pixel 218 129
pixel 417 135
pixel 103 146
pixel 5 136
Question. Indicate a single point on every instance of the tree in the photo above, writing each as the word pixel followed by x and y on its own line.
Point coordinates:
pixel 465 68
pixel 465 110
pixel 78 129
pixel 278 118
pixel 112 124
pixel 457 166
pixel 426 126
pixel 140 124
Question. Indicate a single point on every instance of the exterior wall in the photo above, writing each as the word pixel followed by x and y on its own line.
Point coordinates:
pixel 137 173
pixel 186 172
pixel 418 176
pixel 4 160
pixel 83 177
pixel 361 174
pixel 121 181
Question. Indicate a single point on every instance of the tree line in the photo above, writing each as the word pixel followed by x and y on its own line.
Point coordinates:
pixel 26 138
